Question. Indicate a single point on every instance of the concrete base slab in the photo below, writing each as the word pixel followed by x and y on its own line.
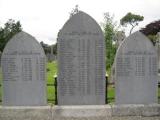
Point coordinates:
pixel 25 113
pixel 82 111
pixel 136 110
pixel 89 112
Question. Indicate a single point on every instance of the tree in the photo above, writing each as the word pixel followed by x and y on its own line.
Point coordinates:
pixel 46 47
pixel 110 29
pixel 151 30
pixel 11 28
pixel 74 11
pixel 131 19
pixel 55 49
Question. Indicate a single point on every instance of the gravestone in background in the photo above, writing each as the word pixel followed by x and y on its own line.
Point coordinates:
pixel 158 52
pixel 0 57
pixel 81 57
pixel 23 69
pixel 136 71
pixel 118 38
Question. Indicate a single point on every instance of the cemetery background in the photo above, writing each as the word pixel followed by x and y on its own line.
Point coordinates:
pixel 52 82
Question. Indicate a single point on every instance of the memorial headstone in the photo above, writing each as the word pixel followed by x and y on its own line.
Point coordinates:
pixel 136 71
pixel 23 69
pixel 112 77
pixel 50 57
pixel 81 57
pixel 158 52
pixel 119 37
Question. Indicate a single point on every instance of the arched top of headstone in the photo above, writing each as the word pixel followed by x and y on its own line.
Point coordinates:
pixel 81 24
pixel 136 41
pixel 23 67
pixel 22 41
pixel 81 62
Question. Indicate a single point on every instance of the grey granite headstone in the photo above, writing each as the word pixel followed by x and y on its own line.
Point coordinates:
pixel 158 52
pixel 119 37
pixel 112 77
pixel 81 61
pixel 23 68
pixel 136 71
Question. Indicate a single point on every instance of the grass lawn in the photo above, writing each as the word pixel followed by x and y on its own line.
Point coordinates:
pixel 52 71
pixel 110 94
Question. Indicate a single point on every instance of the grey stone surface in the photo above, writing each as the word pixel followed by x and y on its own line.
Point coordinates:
pixel 136 110
pixel 119 37
pixel 151 110
pixel 51 57
pixel 81 57
pixel 26 113
pixel 82 111
pixel 158 52
pixel 91 112
pixel 112 77
pixel 127 110
pixel 136 71
pixel 23 69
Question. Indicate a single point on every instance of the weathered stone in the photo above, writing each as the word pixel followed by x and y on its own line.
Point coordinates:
pixel 82 111
pixel 119 37
pixel 81 57
pixel 136 71
pixel 151 110
pixel 23 68
pixel 127 110
pixel 158 52
pixel 26 113
pixel 89 112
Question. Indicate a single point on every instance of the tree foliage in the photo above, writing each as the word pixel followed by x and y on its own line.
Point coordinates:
pixel 131 19
pixel 47 48
pixel 74 11
pixel 110 29
pixel 11 27
pixel 151 30
pixel 55 49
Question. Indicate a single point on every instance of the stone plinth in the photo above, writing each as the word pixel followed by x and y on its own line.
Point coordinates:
pixel 91 112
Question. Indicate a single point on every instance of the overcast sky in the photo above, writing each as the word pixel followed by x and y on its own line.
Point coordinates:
pixel 44 18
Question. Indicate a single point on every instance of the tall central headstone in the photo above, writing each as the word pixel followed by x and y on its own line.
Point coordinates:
pixel 81 56
pixel 23 68
pixel 136 71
